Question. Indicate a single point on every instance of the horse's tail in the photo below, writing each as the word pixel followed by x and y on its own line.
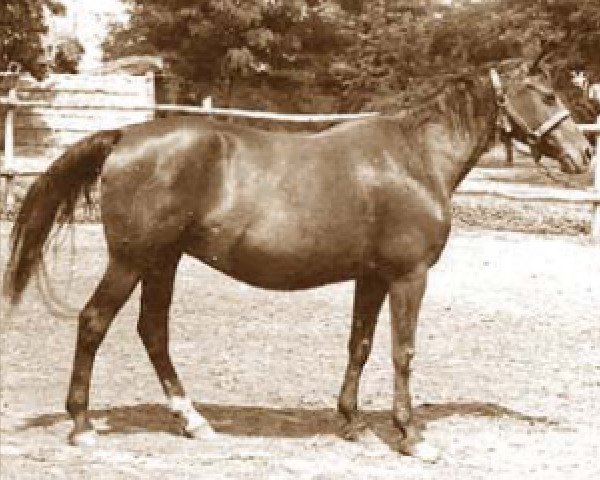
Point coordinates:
pixel 51 198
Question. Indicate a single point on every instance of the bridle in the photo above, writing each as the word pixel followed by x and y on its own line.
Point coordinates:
pixel 508 116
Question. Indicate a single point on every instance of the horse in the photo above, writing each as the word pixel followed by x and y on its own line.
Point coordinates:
pixel 367 201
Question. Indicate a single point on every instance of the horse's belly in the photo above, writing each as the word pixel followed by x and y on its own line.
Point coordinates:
pixel 282 257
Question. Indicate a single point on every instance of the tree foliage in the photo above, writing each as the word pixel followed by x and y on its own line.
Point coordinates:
pixel 219 41
pixel 22 24
pixel 401 45
pixel 353 51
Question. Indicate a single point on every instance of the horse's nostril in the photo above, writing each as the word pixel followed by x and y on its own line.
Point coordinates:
pixel 588 154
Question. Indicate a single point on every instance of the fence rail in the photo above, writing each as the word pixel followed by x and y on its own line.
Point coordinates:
pixel 10 168
pixel 41 118
pixel 528 193
pixel 208 110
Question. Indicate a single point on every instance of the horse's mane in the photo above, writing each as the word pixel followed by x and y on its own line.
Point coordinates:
pixel 456 97
pixel 461 100
pixel 425 90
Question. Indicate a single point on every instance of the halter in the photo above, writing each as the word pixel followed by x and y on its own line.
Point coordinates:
pixel 508 116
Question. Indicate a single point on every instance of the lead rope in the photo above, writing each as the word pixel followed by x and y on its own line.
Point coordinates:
pixel 562 181
pixel 552 176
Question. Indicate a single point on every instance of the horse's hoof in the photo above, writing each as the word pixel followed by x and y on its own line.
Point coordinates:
pixel 423 451
pixel 200 430
pixel 355 431
pixel 85 439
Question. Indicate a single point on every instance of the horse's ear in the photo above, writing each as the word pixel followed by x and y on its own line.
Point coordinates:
pixel 496 82
pixel 536 67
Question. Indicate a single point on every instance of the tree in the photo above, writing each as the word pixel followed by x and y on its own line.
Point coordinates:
pixel 352 51
pixel 404 44
pixel 224 42
pixel 22 24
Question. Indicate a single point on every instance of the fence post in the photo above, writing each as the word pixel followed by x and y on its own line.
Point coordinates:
pixel 7 167
pixel 596 208
pixel 207 103
pixel 151 85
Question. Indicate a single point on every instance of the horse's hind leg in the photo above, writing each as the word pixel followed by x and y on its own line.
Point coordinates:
pixel 153 328
pixel 113 291
pixel 369 295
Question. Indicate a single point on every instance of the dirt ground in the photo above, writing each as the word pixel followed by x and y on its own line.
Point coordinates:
pixel 506 379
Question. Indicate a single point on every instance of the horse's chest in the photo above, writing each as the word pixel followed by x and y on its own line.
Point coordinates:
pixel 414 231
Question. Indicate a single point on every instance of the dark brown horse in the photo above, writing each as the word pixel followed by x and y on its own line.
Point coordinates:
pixel 367 201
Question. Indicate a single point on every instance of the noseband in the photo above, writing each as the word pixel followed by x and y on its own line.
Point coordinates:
pixel 508 115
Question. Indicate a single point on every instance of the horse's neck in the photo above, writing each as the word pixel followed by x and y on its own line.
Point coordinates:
pixel 469 136
pixel 450 132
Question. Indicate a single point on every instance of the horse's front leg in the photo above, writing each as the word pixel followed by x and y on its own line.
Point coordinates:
pixel 369 294
pixel 405 301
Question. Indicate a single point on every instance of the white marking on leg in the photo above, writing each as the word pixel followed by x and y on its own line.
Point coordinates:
pixel 87 439
pixel 195 424
pixel 425 452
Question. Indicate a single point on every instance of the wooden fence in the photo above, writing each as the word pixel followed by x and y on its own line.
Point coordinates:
pixel 543 194
pixel 43 118
pixel 64 108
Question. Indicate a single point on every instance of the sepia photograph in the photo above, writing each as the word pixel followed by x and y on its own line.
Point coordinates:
pixel 300 239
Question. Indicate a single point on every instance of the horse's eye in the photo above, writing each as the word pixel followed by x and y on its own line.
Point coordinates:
pixel 550 98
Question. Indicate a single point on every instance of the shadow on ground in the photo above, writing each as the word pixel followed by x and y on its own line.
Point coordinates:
pixel 275 422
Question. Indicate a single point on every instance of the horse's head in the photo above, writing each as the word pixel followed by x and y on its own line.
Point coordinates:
pixel 532 112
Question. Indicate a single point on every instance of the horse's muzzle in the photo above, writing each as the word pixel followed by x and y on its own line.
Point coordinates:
pixel 569 165
pixel 588 155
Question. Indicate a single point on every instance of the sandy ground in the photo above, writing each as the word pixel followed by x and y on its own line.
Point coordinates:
pixel 506 379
